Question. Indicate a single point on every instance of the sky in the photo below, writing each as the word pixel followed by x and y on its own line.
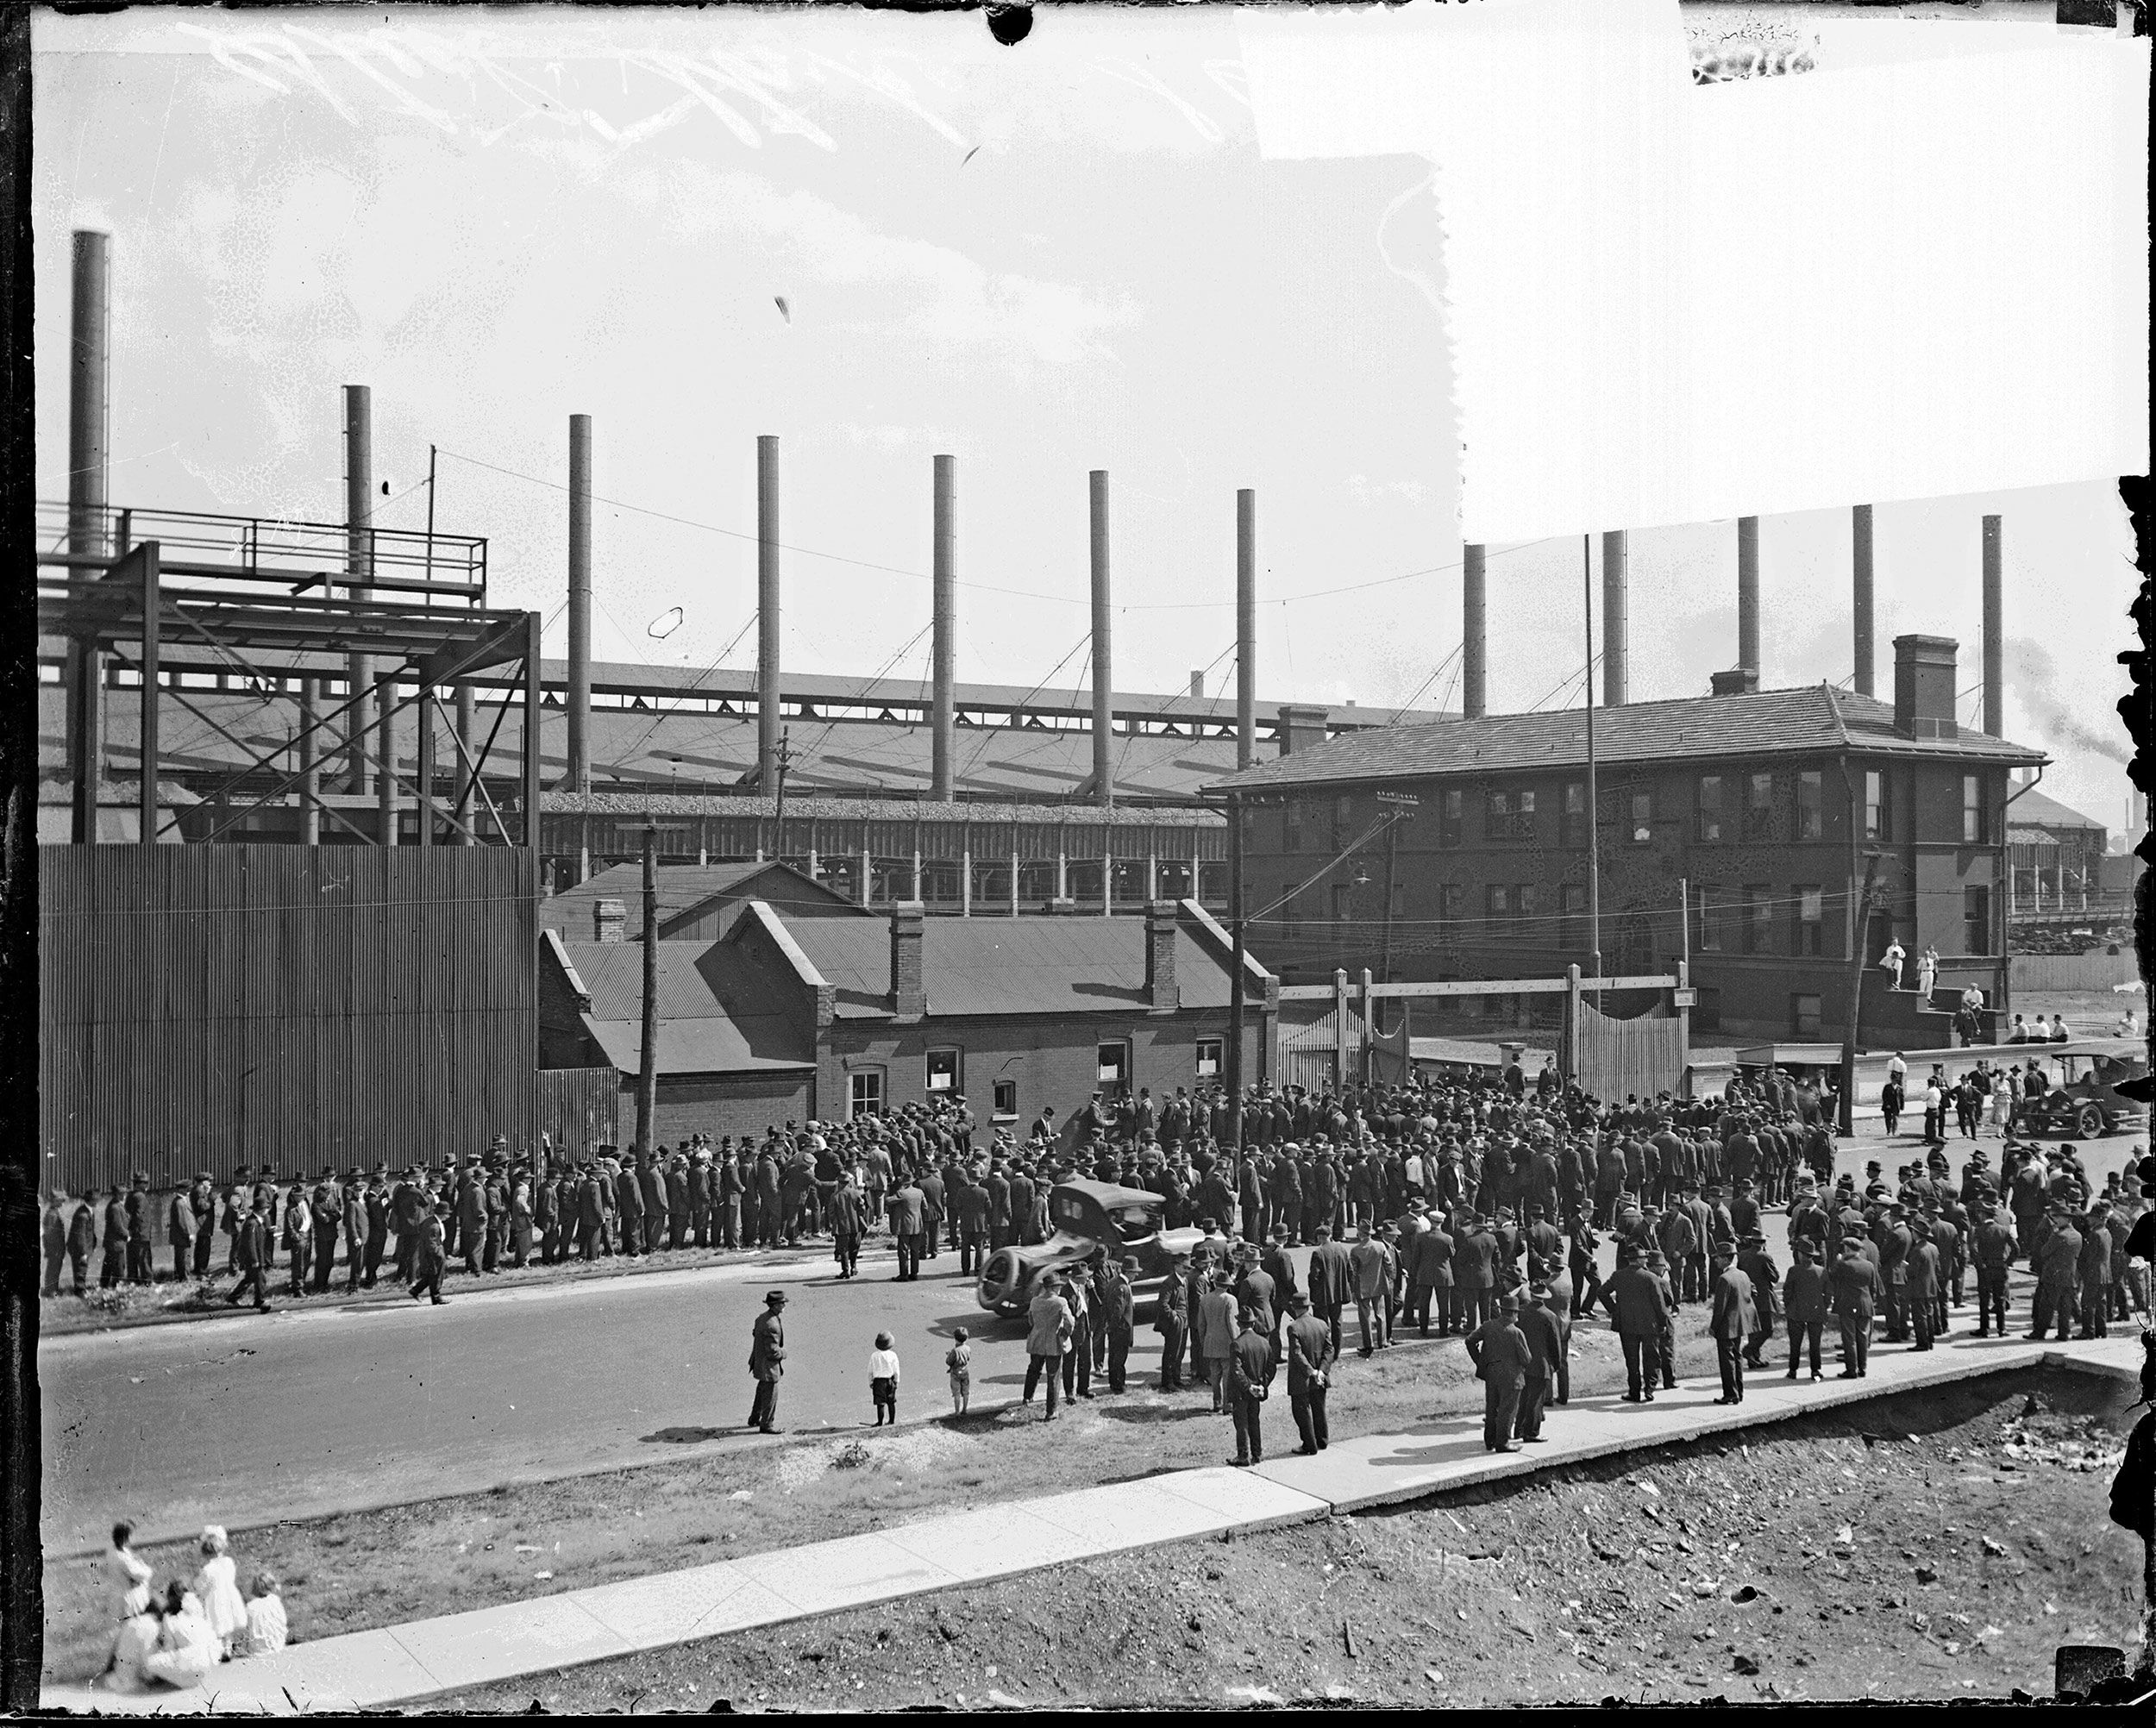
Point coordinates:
pixel 1043 259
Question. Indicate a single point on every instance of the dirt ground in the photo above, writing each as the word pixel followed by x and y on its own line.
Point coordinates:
pixel 351 1572
pixel 1934 1546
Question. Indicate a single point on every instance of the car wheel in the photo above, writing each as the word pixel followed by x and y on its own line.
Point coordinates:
pixel 2089 1123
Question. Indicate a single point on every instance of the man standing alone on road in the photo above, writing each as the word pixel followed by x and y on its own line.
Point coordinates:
pixel 766 1363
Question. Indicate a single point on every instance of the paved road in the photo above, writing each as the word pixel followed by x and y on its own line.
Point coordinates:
pixel 290 1415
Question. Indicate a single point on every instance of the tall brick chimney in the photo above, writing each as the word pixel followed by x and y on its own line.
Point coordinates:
pixel 1161 990
pixel 607 918
pixel 1924 686
pixel 909 993
pixel 1301 727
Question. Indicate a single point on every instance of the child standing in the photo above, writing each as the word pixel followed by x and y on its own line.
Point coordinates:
pixel 883 1380
pixel 217 1587
pixel 126 1575
pixel 958 1360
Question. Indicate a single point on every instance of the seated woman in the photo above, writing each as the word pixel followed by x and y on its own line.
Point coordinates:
pixel 136 1641
pixel 188 1652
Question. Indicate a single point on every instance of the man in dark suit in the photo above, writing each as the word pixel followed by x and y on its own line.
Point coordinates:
pixel 1501 1358
pixel 1251 1365
pixel 908 1210
pixel 1474 1271
pixel 1634 1300
pixel 254 1257
pixel 1804 1304
pixel 118 1247
pixel 1854 1288
pixel 141 1255
pixel 1429 1255
pixel 1545 1353
pixel 1733 1318
pixel 766 1363
pixel 1332 1275
pixel 1310 1357
pixel 1172 1321
pixel 1119 1317
pixel 472 1220
pixel 1992 1246
pixel 180 1231
pixel 2056 1260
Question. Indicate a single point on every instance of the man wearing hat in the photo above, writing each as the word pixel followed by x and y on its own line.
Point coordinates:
pixel 1252 1363
pixel 180 1224
pixel 1310 1358
pixel 1634 1302
pixel 1545 1361
pixel 1854 1288
pixel 1752 1260
pixel 352 1204
pixel 1804 1304
pixel 2057 1263
pixel 1171 1319
pixel 1117 1299
pixel 766 1363
pixel 1502 1357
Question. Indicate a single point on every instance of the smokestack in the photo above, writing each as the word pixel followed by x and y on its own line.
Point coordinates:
pixel 1614 581
pixel 1197 687
pixel 1748 593
pixel 1473 647
pixel 1994 631
pixel 359 507
pixel 1103 672
pixel 88 456
pixel 580 775
pixel 946 629
pixel 1245 628
pixel 1860 548
pixel 766 613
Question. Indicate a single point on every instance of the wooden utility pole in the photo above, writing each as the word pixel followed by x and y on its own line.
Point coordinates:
pixel 778 815
pixel 1235 984
pixel 1845 1120
pixel 647 1062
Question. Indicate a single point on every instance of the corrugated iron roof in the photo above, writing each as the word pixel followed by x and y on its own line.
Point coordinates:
pixel 714 1045
pixel 682 887
pixel 2033 809
pixel 1816 719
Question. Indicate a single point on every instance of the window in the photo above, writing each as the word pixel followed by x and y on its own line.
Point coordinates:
pixel 1526 907
pixel 1287 908
pixel 865 1092
pixel 1343 903
pixel 1972 809
pixel 1804 1017
pixel 1758 806
pixel 1112 1068
pixel 1572 815
pixel 1807 826
pixel 1036 882
pixel 1572 915
pixel 1397 905
pixel 1640 828
pixel 1878 821
pixel 1292 828
pixel 1809 903
pixel 1006 1100
pixel 1452 907
pixel 1496 910
pixel 1450 808
pixel 1708 916
pixel 1975 920
pixel 1707 1011
pixel 1208 1058
pixel 943 1071
pixel 1082 877
pixel 1343 822
pixel 1706 809
pixel 1758 918
pixel 1509 816
pixel 1212 884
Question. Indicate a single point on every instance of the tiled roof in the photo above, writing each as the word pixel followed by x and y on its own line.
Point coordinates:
pixel 1814 720
pixel 1009 966
pixel 697 1033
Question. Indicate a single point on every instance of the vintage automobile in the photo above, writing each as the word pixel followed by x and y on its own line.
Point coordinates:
pixel 1084 1216
pixel 2081 1096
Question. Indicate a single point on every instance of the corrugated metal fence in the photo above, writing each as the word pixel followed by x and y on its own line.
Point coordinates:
pixel 306 1008
pixel 2097 971
pixel 1618 1059
pixel 580 1108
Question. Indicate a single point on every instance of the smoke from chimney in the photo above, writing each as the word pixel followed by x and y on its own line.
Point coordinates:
pixel 2036 682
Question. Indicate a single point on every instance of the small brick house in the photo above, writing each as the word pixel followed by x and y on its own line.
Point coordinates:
pixel 792 1017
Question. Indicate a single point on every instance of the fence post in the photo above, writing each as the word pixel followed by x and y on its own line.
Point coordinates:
pixel 1568 1034
pixel 1339 1025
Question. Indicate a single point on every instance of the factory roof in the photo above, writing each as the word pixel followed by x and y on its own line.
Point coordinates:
pixel 682 888
pixel 1812 720
pixel 2033 809
pixel 697 1032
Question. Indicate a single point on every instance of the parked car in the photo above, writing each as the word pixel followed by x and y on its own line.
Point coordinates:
pixel 2081 1096
pixel 1084 1216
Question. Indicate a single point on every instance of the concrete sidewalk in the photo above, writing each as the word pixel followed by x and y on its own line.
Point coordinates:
pixel 408 1664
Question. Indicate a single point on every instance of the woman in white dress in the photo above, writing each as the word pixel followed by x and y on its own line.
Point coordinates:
pixel 187 1652
pixel 217 1585
pixel 133 1645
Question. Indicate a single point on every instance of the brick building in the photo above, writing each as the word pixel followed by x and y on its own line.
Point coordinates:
pixel 796 1018
pixel 1752 810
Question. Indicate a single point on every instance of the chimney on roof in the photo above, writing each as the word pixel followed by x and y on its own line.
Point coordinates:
pixel 1738 680
pixel 1474 613
pixel 1301 727
pixel 1615 630
pixel 1993 631
pixel 1161 992
pixel 1062 907
pixel 1198 686
pixel 909 994
pixel 1924 686
pixel 608 918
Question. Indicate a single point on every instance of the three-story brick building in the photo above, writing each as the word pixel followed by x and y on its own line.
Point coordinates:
pixel 1730 830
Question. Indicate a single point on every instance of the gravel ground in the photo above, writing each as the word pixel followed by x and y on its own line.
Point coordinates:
pixel 1933 1547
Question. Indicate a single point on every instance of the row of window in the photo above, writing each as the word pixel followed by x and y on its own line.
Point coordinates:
pixel 1740 808
pixel 943 1074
